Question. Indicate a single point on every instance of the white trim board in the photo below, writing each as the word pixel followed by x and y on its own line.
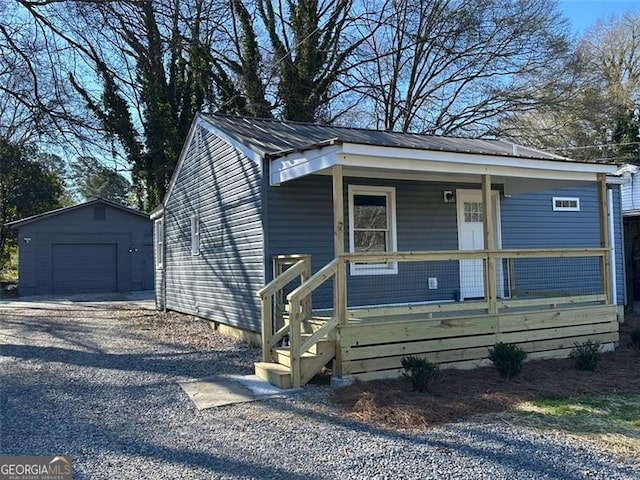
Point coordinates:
pixel 391 159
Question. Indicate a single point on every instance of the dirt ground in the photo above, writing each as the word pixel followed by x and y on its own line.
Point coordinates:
pixel 462 393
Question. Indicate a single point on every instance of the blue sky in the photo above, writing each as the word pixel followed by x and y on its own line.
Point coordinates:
pixel 584 13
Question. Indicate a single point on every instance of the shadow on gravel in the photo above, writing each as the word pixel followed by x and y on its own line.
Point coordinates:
pixel 79 334
pixel 183 364
pixel 92 420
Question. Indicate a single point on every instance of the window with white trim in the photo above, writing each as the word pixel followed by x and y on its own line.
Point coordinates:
pixel 566 204
pixel 159 232
pixel 372 226
pixel 195 235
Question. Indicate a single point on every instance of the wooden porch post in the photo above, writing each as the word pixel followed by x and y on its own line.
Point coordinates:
pixel 605 270
pixel 340 280
pixel 489 244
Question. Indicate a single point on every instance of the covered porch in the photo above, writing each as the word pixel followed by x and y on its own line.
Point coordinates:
pixel 449 306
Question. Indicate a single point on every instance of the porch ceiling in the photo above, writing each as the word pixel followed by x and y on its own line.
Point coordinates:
pixel 518 174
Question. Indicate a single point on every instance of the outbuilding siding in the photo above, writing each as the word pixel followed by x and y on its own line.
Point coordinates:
pixel 222 188
pixel 630 192
pixel 126 232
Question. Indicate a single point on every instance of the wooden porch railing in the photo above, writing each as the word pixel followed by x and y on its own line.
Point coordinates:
pixel 297 314
pixel 491 302
pixel 274 328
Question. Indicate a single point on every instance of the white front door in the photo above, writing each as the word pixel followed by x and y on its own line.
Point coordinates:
pixel 471 237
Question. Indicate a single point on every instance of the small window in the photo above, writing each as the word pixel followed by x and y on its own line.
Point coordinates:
pixel 159 232
pixel 195 235
pixel 566 204
pixel 372 226
pixel 99 213
pixel 473 212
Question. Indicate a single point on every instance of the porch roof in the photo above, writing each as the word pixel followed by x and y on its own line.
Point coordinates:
pixel 298 149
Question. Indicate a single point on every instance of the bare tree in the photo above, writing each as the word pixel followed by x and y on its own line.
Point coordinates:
pixel 291 69
pixel 599 119
pixel 151 63
pixel 35 105
pixel 457 66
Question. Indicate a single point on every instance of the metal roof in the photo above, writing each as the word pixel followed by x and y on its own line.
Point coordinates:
pixel 274 138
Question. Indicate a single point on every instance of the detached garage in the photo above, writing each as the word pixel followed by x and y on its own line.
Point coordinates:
pixel 94 247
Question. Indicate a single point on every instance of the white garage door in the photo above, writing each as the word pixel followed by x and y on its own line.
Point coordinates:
pixel 84 268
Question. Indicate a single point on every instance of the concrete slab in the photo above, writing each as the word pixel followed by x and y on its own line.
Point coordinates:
pixel 216 391
pixel 261 388
pixel 142 299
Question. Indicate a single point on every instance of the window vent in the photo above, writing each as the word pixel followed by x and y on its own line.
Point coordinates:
pixel 99 213
pixel 566 204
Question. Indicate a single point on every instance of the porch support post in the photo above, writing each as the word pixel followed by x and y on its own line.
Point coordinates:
pixel 489 244
pixel 339 284
pixel 605 270
pixel 340 278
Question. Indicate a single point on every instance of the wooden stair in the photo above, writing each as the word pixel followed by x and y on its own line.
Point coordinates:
pixel 278 372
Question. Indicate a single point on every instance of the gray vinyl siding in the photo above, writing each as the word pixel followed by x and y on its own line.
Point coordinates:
pixel 158 263
pixel 551 229
pixel 560 229
pixel 301 221
pixel 126 232
pixel 424 222
pixel 223 188
pixel 618 238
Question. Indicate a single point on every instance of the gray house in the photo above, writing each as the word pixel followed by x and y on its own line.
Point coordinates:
pixel 97 246
pixel 363 246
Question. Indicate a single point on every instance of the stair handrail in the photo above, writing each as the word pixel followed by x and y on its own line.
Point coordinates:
pixel 297 314
pixel 302 268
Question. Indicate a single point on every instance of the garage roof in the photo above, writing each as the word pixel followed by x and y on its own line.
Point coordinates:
pixel 52 213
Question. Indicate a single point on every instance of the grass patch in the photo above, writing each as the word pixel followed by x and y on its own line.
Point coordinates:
pixel 9 271
pixel 610 422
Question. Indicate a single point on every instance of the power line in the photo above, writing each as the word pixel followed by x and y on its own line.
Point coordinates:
pixel 585 147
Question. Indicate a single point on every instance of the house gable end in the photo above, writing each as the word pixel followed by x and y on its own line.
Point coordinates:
pixel 201 123
pixel 212 222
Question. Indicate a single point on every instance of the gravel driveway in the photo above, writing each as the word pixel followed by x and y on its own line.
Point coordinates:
pixel 98 382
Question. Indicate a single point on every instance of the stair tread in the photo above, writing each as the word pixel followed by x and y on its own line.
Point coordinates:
pixel 274 367
pixel 274 373
pixel 287 352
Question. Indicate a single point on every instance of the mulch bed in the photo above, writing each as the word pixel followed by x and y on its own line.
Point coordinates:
pixel 462 393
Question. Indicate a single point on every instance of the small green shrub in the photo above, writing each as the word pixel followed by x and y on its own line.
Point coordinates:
pixel 420 372
pixel 507 358
pixel 635 339
pixel 586 355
